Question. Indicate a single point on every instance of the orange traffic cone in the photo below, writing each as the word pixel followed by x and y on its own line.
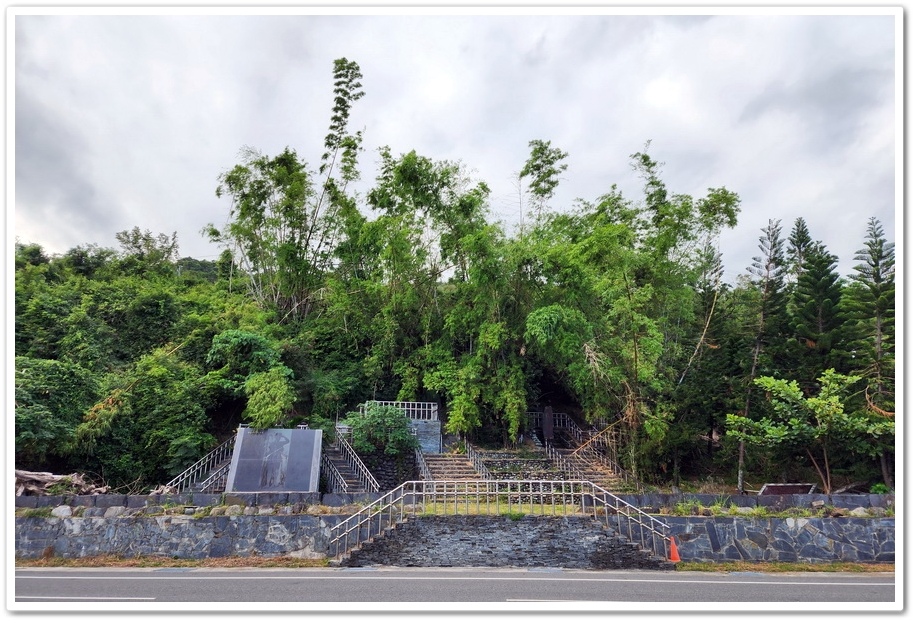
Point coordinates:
pixel 674 555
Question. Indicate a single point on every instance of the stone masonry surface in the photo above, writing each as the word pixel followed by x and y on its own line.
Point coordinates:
pixel 278 524
pixel 500 541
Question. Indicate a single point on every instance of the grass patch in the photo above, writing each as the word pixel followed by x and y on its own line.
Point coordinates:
pixel 43 512
pixel 291 563
pixel 163 561
pixel 786 567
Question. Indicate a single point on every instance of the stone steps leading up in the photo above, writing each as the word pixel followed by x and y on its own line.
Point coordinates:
pixel 354 485
pixel 451 467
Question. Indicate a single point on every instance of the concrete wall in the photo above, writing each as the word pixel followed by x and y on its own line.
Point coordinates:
pixel 429 433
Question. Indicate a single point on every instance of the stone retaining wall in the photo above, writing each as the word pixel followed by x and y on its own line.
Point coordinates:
pixel 175 536
pixel 794 539
pixel 279 524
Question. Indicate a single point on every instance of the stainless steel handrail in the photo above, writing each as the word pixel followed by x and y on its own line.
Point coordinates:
pixel 485 497
pixel 477 461
pixel 362 472
pixel 336 482
pixel 216 481
pixel 562 463
pixel 186 479
pixel 421 464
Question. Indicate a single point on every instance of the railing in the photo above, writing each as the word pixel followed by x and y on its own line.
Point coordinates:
pixel 366 479
pixel 536 497
pixel 562 463
pixel 336 482
pixel 477 461
pixel 421 465
pixel 419 458
pixel 216 481
pixel 606 439
pixel 413 410
pixel 536 419
pixel 186 479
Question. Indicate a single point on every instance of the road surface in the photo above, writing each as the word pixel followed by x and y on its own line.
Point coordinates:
pixel 397 587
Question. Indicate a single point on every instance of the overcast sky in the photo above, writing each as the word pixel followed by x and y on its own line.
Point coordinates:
pixel 124 121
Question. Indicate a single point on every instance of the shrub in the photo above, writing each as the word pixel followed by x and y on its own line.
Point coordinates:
pixel 381 428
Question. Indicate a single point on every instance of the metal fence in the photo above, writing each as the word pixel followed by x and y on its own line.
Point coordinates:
pixel 489 497
pixel 365 477
pixel 186 479
pixel 413 410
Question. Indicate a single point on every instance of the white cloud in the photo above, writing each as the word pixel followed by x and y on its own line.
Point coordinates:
pixel 129 121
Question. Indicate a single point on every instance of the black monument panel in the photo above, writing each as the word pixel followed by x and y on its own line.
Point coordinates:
pixel 275 459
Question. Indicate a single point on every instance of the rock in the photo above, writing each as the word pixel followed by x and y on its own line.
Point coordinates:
pixel 235 509
pixel 859 512
pixel 62 511
pixel 743 510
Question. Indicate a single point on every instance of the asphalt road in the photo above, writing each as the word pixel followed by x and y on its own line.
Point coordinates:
pixel 395 587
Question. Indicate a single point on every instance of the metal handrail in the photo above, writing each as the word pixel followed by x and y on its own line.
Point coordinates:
pixel 362 472
pixel 186 479
pixel 336 482
pixel 477 461
pixel 537 497
pixel 562 463
pixel 425 474
pixel 211 484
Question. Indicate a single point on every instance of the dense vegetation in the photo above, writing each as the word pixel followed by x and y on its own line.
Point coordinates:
pixel 131 363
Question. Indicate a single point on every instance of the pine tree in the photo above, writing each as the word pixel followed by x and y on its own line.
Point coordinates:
pixel 800 245
pixel 815 315
pixel 768 275
pixel 868 306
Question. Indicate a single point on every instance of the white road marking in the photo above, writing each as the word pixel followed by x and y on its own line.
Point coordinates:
pixel 526 578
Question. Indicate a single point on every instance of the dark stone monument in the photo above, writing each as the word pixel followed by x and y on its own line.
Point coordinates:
pixel 547 423
pixel 275 459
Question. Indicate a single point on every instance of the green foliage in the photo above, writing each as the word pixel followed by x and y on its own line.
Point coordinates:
pixel 381 428
pixel 150 425
pixel 51 397
pixel 270 397
pixel 324 298
pixel 815 426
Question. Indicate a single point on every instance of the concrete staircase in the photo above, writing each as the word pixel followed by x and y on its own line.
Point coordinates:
pixel 587 465
pixel 593 471
pixel 450 467
pixel 337 458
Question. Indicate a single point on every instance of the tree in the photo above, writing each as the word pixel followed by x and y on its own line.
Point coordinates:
pixel 143 253
pixel 284 227
pixel 869 309
pixel 817 426
pixel 51 397
pixel 381 428
pixel 800 245
pixel 543 169
pixel 768 275
pixel 815 314
pixel 149 424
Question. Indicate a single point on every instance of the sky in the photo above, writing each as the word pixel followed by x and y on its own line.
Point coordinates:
pixel 125 121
